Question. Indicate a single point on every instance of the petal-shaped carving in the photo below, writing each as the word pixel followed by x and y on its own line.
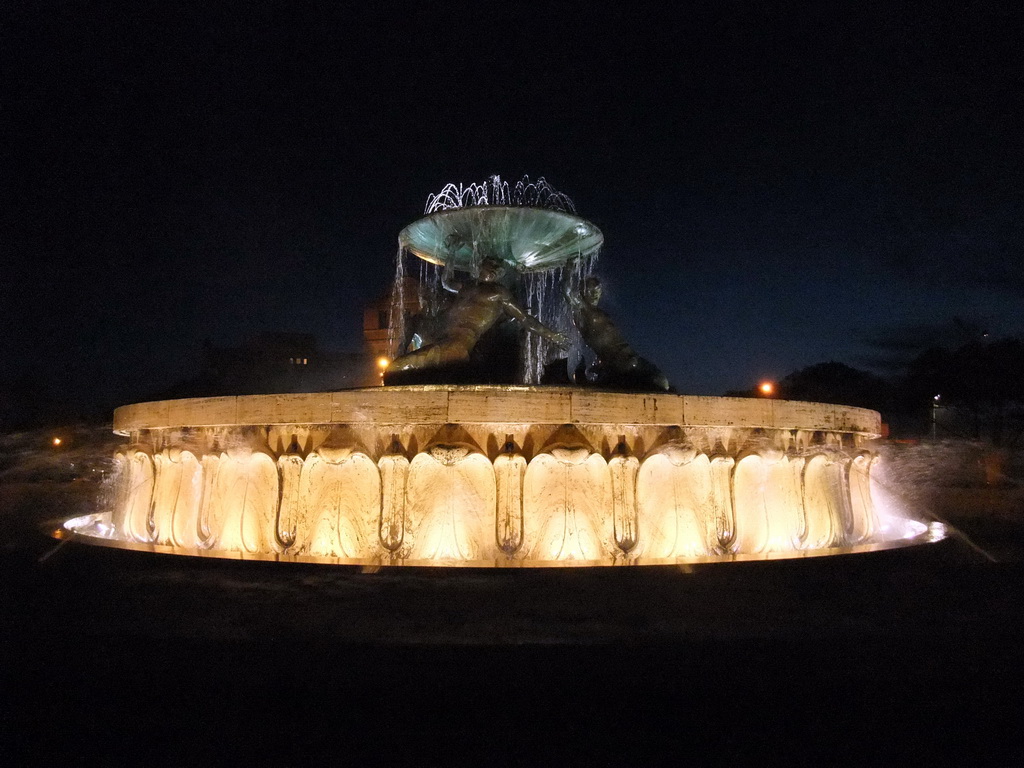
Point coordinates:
pixel 509 472
pixel 622 470
pixel 767 503
pixel 290 532
pixel 721 500
pixel 207 512
pixel 750 505
pixel 567 501
pixel 784 504
pixel 177 497
pixel 823 500
pixel 215 505
pixel 394 479
pixel 245 502
pixel 839 478
pixel 451 505
pixel 135 498
pixel 341 506
pixel 796 465
pixel 676 512
pixel 861 502
pixel 166 482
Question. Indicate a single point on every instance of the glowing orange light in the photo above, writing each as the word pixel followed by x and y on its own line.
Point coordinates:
pixel 383 362
pixel 57 441
pixel 766 388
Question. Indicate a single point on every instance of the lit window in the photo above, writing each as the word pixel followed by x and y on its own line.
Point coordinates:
pixel 305 361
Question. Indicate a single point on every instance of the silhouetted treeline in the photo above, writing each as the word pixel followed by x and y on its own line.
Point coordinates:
pixel 981 381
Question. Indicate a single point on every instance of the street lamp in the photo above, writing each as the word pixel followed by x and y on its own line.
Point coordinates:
pixel 935 411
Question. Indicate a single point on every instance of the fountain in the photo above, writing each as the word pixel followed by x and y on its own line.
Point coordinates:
pixel 512 474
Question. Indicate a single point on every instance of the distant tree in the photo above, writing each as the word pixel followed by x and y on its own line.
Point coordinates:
pixel 837 383
pixel 831 382
pixel 982 380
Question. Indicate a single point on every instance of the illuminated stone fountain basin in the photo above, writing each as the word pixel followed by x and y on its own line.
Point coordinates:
pixel 496 476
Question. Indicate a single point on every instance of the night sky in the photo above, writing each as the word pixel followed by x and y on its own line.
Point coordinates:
pixel 776 188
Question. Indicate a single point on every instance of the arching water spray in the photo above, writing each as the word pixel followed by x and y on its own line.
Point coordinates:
pixel 494 191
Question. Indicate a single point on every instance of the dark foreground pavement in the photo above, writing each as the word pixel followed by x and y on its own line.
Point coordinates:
pixel 123 657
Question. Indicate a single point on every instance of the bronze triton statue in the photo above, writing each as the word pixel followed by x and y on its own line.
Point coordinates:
pixel 617 365
pixel 477 307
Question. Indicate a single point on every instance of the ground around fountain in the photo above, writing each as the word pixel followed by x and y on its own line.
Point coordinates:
pixel 901 655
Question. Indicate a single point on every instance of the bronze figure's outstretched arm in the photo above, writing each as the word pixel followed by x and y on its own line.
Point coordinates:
pixel 534 325
pixel 478 306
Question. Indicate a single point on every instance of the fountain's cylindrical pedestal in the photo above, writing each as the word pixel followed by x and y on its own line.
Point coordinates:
pixel 495 476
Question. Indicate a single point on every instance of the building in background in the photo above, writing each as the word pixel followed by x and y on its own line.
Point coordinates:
pixel 377 318
pixel 285 362
pixel 275 363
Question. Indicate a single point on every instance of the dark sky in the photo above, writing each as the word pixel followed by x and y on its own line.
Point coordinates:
pixel 776 188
